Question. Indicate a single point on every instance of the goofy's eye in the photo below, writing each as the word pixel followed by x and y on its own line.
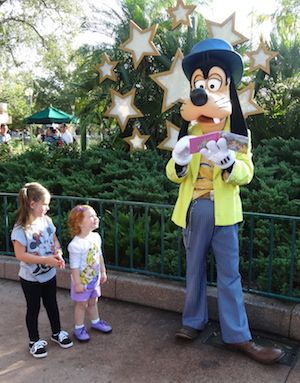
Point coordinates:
pixel 200 84
pixel 214 84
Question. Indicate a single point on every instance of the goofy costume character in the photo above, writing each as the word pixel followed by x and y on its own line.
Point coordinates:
pixel 208 207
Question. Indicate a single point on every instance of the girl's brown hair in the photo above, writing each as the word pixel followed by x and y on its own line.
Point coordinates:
pixel 76 217
pixel 32 191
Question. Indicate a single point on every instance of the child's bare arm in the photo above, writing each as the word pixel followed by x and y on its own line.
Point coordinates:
pixel 58 252
pixel 103 278
pixel 79 287
pixel 34 258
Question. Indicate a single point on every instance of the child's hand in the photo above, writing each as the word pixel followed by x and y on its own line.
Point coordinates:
pixel 61 261
pixel 62 264
pixel 53 261
pixel 79 288
pixel 59 255
pixel 103 278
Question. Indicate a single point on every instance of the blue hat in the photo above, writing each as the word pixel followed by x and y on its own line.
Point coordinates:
pixel 214 50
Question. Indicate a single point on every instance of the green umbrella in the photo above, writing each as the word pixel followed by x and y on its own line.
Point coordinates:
pixel 50 115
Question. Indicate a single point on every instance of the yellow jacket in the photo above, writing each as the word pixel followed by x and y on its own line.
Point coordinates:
pixel 228 206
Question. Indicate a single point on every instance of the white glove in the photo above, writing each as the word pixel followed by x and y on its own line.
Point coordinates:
pixel 181 152
pixel 218 153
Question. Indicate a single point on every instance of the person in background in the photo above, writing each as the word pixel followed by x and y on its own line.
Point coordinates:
pixel 88 270
pixel 4 135
pixel 66 135
pixel 53 137
pixel 37 248
pixel 41 135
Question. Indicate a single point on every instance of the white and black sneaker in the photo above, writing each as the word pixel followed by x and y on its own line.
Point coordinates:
pixel 62 338
pixel 38 348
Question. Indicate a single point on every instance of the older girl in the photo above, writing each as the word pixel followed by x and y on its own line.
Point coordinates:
pixel 38 250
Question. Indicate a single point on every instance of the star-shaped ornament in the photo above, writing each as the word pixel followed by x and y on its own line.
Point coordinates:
pixel 226 31
pixel 106 68
pixel 136 140
pixel 172 136
pixel 140 43
pixel 175 85
pixel 261 58
pixel 123 108
pixel 247 102
pixel 181 14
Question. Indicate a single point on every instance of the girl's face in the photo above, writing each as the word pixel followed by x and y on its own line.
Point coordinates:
pixel 40 208
pixel 90 221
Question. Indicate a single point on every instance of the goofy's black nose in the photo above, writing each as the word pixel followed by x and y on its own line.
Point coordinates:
pixel 198 96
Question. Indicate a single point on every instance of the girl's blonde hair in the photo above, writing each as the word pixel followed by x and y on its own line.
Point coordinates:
pixel 75 218
pixel 32 191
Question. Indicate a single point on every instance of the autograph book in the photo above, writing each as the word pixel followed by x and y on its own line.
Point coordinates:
pixel 235 142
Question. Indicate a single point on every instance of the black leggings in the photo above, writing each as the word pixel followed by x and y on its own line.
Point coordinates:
pixel 33 292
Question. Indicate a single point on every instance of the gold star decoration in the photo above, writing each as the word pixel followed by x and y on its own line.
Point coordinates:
pixel 175 85
pixel 261 58
pixel 106 68
pixel 140 43
pixel 226 31
pixel 247 102
pixel 123 108
pixel 172 136
pixel 136 140
pixel 181 14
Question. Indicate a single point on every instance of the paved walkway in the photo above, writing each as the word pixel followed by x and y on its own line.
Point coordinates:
pixel 141 349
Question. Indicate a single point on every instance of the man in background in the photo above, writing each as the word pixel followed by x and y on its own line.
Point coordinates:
pixel 4 135
pixel 66 135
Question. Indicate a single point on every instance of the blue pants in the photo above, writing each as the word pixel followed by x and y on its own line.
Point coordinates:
pixel 200 235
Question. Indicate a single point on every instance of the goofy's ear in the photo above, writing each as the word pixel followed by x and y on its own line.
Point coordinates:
pixel 237 121
pixel 183 129
pixel 182 132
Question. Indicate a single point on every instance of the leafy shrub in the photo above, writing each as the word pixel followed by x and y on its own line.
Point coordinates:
pixel 111 173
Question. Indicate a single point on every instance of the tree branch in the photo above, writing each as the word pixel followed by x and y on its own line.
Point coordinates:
pixel 15 61
pixel 17 20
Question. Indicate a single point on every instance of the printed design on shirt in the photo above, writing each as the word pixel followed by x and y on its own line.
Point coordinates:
pixel 41 244
pixel 204 180
pixel 89 275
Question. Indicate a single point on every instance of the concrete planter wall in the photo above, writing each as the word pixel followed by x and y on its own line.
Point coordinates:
pixel 265 314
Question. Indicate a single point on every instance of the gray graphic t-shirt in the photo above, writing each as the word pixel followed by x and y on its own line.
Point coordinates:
pixel 38 239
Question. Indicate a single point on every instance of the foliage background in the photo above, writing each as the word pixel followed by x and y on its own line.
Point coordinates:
pixel 112 173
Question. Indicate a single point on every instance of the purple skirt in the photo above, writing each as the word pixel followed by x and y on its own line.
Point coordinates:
pixel 92 290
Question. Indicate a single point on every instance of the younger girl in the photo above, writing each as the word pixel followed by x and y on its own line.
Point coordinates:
pixel 87 270
pixel 38 250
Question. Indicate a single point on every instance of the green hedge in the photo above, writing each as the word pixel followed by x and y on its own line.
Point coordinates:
pixel 112 173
